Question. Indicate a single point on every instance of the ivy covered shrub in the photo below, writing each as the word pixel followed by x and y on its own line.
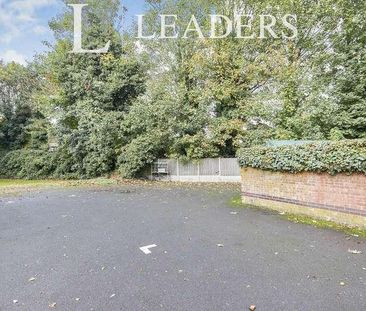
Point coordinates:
pixel 346 156
pixel 140 153
pixel 26 163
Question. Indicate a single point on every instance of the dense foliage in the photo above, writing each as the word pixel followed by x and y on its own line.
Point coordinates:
pixel 31 164
pixel 16 86
pixel 332 157
pixel 183 98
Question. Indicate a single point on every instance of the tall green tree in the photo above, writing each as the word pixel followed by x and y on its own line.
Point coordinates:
pixel 348 63
pixel 90 92
pixel 16 86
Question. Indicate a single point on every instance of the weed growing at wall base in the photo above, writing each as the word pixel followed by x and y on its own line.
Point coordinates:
pixel 236 202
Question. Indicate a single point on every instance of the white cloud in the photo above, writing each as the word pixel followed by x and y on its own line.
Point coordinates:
pixel 39 30
pixel 20 16
pixel 8 25
pixel 13 56
pixel 31 4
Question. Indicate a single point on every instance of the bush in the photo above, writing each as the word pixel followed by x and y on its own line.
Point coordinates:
pixel 141 152
pixel 24 163
pixel 347 156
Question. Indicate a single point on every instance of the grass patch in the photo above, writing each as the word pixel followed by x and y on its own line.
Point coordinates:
pixel 19 186
pixel 325 224
pixel 24 183
pixel 236 202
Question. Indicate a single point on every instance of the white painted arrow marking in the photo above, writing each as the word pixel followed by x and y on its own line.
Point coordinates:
pixel 146 249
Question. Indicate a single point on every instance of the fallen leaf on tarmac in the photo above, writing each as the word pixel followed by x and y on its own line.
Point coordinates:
pixel 32 279
pixel 52 305
pixel 354 251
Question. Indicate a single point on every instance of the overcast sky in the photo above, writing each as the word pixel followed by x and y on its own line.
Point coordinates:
pixel 24 25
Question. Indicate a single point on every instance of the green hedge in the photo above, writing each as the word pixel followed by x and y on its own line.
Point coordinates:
pixel 347 156
pixel 27 164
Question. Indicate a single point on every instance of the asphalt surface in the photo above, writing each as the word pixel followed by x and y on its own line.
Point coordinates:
pixel 79 249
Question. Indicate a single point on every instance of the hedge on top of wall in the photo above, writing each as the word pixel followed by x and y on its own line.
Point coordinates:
pixel 346 156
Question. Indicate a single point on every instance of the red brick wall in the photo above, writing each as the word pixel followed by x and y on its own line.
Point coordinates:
pixel 340 193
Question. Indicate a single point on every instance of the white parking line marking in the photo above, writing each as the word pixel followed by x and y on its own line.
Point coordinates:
pixel 146 249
